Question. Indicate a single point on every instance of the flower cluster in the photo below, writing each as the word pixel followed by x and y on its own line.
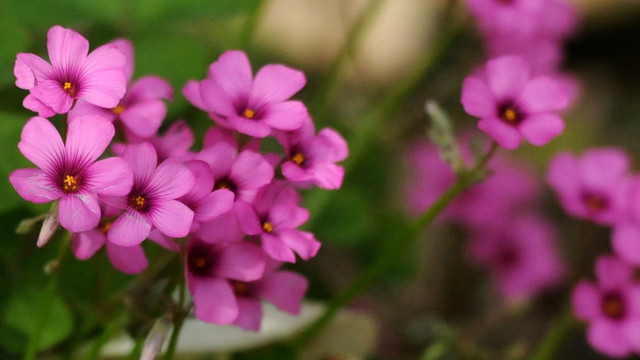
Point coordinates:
pixel 518 247
pixel 519 91
pixel 232 211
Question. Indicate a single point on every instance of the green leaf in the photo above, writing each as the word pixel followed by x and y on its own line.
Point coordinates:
pixel 19 317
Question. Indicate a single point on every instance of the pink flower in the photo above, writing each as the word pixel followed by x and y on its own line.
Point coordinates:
pixel 128 259
pixel 98 77
pixel 174 143
pixel 521 255
pixel 285 289
pixel 511 104
pixel 234 99
pixel 593 186
pixel 311 158
pixel 141 110
pixel 152 199
pixel 611 307
pixel 69 172
pixel 626 232
pixel 210 270
pixel 274 216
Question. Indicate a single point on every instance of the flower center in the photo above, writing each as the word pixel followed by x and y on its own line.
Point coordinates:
pixel 199 261
pixel 240 288
pixel 249 113
pixel 267 226
pixel 510 114
pixel 68 88
pixel 594 203
pixel 225 183
pixel 613 306
pixel 298 158
pixel 118 109
pixel 105 226
pixel 138 202
pixel 69 184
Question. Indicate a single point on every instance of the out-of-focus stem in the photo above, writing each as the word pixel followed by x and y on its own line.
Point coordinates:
pixel 389 257
pixel 552 339
pixel 46 302
pixel 179 315
pixel 249 27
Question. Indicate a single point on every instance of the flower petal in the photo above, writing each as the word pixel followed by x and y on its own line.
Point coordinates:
pixel 129 229
pixel 142 161
pixel 29 69
pixel 151 88
pixel 612 273
pixel 87 138
pixel 285 289
pixel 251 170
pixel 507 76
pixel 128 259
pixel 171 180
pixel 51 94
pixel 275 83
pixel 66 47
pixel 144 118
pixel 172 218
pixel 232 71
pixel 247 218
pixel 215 99
pixel 32 103
pixel 249 127
pixel 539 129
pixel 506 135
pixel 287 115
pixel 277 249
pixel 86 243
pixel 215 204
pixel 240 261
pixel 328 176
pixel 626 243
pixel 302 242
pixel 585 301
pixel 477 98
pixel 543 94
pixel 79 212
pixel 35 185
pixel 249 314
pixel 191 91
pixel 103 81
pixel 213 300
pixel 608 338
pixel 111 176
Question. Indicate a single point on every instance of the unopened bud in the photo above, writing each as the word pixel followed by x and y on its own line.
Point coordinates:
pixel 49 226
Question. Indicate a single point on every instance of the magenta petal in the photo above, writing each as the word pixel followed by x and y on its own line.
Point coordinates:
pixel 166 242
pixel 87 138
pixel 29 69
pixel 82 108
pixel 328 176
pixel 251 170
pixel 277 249
pixel 220 158
pixel 507 75
pixel 215 98
pixel 32 103
pixel 285 290
pixel 276 83
pixel 172 218
pixel 585 301
pixel 171 180
pixel 144 118
pixel 129 229
pixel 541 128
pixel 151 88
pixel 608 338
pixel 111 176
pixel 249 127
pixel 128 259
pixel 287 115
pixel 302 242
pixel 247 218
pixel 213 300
pixel 51 94
pixel 612 273
pixel 563 173
pixel 191 92
pixel 232 71
pixel 35 185
pixel 543 94
pixel 79 212
pixel 506 135
pixel 104 82
pixel 249 314
pixel 293 172
pixel 240 261
pixel 126 48
pixel 203 180
pixel 626 243
pixel 66 47
pixel 214 205
pixel 142 160
pixel 477 99
pixel 86 243
pixel 615 161
pixel 333 145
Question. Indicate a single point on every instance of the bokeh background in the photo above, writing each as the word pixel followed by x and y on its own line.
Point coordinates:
pixel 433 292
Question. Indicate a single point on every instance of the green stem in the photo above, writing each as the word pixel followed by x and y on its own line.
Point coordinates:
pixel 44 308
pixel 109 332
pixel 389 257
pixel 323 97
pixel 179 315
pixel 552 339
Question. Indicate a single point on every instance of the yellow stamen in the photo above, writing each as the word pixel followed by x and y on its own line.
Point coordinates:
pixel 510 115
pixel 249 114
pixel 267 227
pixel 118 110
pixel 138 202
pixel 70 183
pixel 67 86
pixel 613 307
pixel 297 158
pixel 104 228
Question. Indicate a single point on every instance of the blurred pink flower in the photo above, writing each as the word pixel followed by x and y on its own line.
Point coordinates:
pixel 98 77
pixel 593 186
pixel 521 255
pixel 611 307
pixel 511 104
